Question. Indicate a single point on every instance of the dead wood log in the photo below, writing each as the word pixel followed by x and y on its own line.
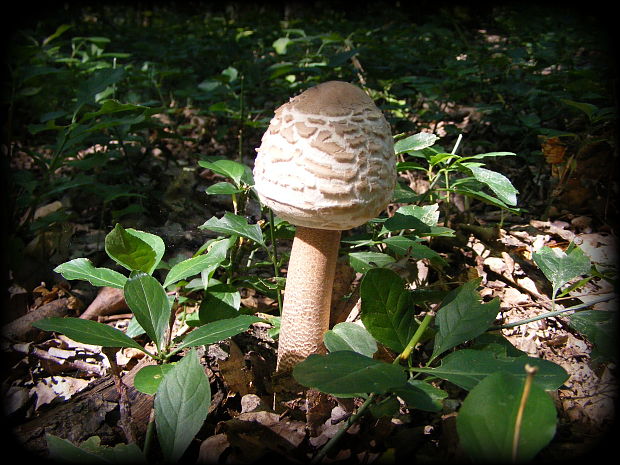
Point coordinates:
pixel 109 300
pixel 21 329
pixel 93 412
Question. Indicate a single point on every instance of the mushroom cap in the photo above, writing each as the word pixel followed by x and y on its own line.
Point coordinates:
pixel 327 159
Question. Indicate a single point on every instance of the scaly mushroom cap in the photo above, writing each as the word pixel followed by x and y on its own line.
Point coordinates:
pixel 327 159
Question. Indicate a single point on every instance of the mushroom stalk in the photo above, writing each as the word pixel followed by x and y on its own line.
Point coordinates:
pixel 307 295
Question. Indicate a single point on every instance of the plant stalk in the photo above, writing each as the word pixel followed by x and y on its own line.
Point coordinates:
pixel 531 371
pixel 352 419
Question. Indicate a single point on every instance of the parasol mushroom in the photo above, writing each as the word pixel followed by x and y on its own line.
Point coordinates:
pixel 326 164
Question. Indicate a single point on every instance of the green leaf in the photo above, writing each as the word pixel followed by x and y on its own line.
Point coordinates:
pixel 421 395
pixel 100 80
pixel 559 267
pixel 587 108
pixel 235 224
pixel 218 331
pixel 489 154
pixel 483 196
pixel 462 317
pixel 148 379
pixel 64 451
pixel 416 142
pixel 350 336
pixel 600 328
pixel 467 367
pixel 193 266
pixel 361 262
pixel 130 251
pixel 87 332
pixel 486 420
pixel 387 309
pixel 181 406
pixel 230 169
pixel 280 45
pixel 112 106
pixel 498 183
pixel 222 188
pixel 221 301
pixel 347 374
pixel 91 451
pixel 155 242
pixel 422 220
pixel 149 303
pixel 403 245
pixel 83 269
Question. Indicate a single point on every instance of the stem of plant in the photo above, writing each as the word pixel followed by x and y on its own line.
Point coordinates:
pixel 416 337
pixel 353 418
pixel 551 314
pixel 150 430
pixel 530 371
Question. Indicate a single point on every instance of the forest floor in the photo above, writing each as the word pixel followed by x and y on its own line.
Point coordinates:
pixel 54 385
pixel 58 386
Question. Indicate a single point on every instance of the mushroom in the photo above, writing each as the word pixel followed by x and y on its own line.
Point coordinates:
pixel 326 164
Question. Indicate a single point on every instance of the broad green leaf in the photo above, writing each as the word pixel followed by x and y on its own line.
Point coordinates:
pixel 347 374
pixel 91 451
pixel 441 157
pixel 487 419
pixel 350 336
pixel 235 224
pixel 97 83
pixel 193 266
pixel 418 141
pixel 112 106
pixel 221 301
pixel 64 451
pixel 222 188
pixel 461 317
pixel 361 262
pixel 403 245
pixel 119 453
pixel 130 251
pixel 600 328
pixel 148 379
pixel 496 343
pixel 484 197
pixel 498 183
pixel 280 45
pixel 156 243
pixel 422 220
pixel 559 267
pixel 149 303
pixel 587 108
pixel 87 332
pixel 387 309
pixel 228 168
pixel 467 367
pixel 421 395
pixel 83 269
pixel 218 331
pixel 181 406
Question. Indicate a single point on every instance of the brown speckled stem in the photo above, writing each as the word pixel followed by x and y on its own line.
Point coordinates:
pixel 307 296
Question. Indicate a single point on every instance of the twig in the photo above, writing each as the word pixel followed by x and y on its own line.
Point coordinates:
pixel 123 402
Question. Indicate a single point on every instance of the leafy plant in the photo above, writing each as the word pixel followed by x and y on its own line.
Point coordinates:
pixel 493 371
pixel 181 388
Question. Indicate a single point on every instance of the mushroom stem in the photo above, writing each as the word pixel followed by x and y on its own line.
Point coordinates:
pixel 307 295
